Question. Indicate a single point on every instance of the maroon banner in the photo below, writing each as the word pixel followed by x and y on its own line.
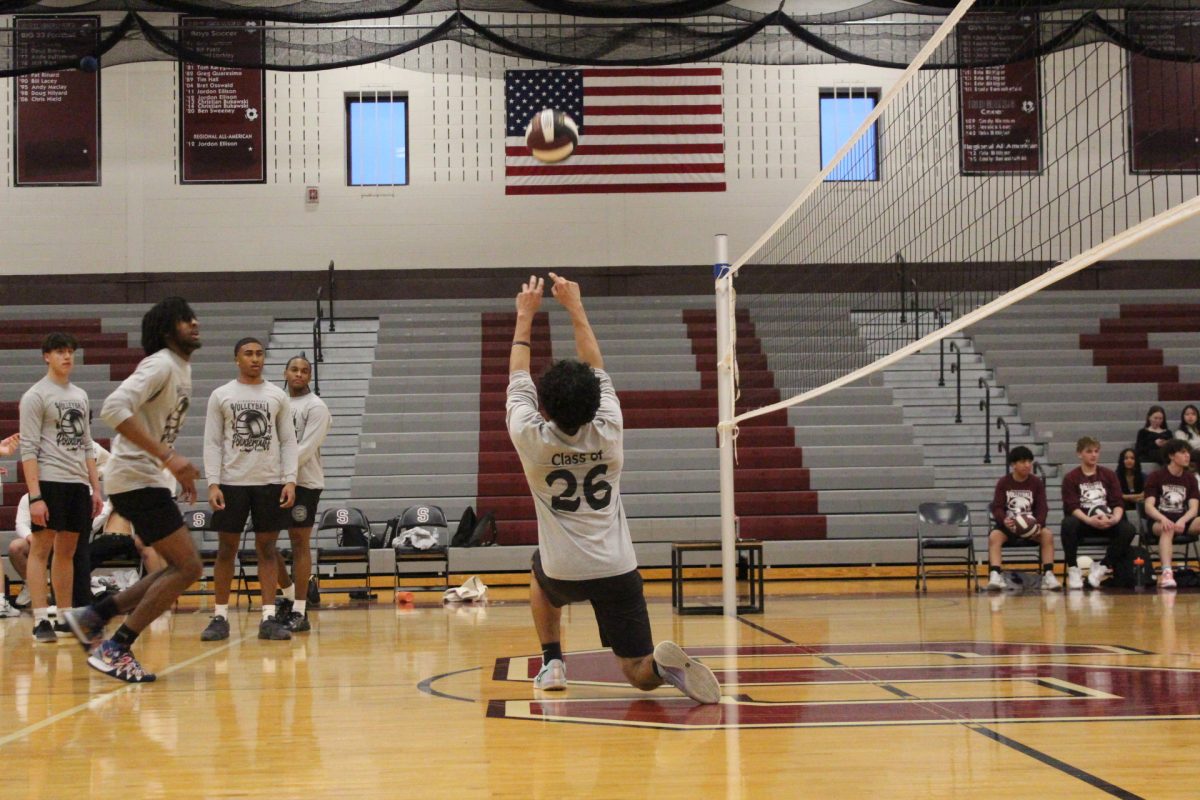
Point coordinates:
pixel 57 121
pixel 1164 121
pixel 1001 108
pixel 222 131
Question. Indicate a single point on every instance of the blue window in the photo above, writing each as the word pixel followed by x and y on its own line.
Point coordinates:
pixel 377 139
pixel 842 111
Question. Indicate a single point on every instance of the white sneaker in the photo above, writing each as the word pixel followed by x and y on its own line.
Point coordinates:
pixel 995 581
pixel 552 677
pixel 686 674
pixel 1049 581
pixel 7 610
pixel 1074 578
pixel 1166 580
pixel 23 599
pixel 1097 575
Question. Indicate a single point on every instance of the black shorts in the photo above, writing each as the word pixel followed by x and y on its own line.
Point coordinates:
pixel 109 546
pixel 69 505
pixel 151 511
pixel 619 603
pixel 259 504
pixel 304 513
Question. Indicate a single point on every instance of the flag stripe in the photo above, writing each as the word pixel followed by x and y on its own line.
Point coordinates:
pixel 641 130
pixel 622 188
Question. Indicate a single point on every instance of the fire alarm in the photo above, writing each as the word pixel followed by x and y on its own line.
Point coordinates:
pixel 312 195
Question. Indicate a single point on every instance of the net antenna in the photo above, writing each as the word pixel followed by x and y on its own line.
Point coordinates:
pixel 915 231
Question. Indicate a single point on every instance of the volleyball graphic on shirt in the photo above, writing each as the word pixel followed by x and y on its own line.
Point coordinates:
pixel 72 422
pixel 251 427
pixel 1174 499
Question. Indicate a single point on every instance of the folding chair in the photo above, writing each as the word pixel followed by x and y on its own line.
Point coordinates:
pixel 935 551
pixel 350 533
pixel 1188 541
pixel 433 519
pixel 204 536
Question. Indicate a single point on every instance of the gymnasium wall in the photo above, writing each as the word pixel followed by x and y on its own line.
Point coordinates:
pixel 453 215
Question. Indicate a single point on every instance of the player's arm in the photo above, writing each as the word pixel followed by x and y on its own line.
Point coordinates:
pixel 319 422
pixel 9 445
pixel 30 414
pixel 529 300
pixel 586 346
pixel 288 451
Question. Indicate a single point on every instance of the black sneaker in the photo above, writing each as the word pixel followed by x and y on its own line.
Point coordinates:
pixel 218 629
pixel 44 633
pixel 270 629
pixel 61 626
pixel 87 626
pixel 283 609
pixel 296 622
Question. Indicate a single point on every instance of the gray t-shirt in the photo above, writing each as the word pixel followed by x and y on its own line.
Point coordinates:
pixel 312 419
pixel 576 484
pixel 56 432
pixel 249 436
pixel 158 393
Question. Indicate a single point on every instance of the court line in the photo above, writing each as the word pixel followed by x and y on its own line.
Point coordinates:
pixel 767 631
pixel 1058 764
pixel 104 698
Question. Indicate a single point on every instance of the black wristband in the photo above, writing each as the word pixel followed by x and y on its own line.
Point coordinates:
pixel 523 344
pixel 37 499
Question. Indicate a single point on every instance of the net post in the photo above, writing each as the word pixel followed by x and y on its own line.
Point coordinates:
pixel 725 411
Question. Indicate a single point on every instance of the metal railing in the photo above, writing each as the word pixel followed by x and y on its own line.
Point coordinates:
pixel 985 405
pixel 1005 446
pixel 956 368
pixel 318 346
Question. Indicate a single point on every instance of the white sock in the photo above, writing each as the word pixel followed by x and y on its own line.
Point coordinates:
pixel 40 614
pixel 300 606
pixel 221 611
pixel 268 612
pixel 290 592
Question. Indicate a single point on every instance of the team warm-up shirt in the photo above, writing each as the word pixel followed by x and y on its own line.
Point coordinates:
pixel 1014 497
pixel 312 420
pixel 576 484
pixel 1088 492
pixel 158 394
pixel 249 436
pixel 55 431
pixel 1171 494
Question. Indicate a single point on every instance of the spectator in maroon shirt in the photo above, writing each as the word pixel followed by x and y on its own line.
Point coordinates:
pixel 1093 506
pixel 1172 503
pixel 1020 494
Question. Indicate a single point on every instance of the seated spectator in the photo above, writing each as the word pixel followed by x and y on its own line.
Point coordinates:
pixel 1153 437
pixel 113 537
pixel 1189 428
pixel 1093 506
pixel 1172 503
pixel 1133 480
pixel 18 549
pixel 1020 494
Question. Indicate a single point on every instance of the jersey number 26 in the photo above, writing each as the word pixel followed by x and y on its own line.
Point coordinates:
pixel 598 493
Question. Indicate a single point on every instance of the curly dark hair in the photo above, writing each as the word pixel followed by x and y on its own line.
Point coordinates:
pixel 570 393
pixel 159 323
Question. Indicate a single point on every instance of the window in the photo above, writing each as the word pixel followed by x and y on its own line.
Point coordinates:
pixel 377 139
pixel 842 111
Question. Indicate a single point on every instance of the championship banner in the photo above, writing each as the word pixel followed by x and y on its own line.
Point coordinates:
pixel 1164 122
pixel 1001 108
pixel 222 131
pixel 56 123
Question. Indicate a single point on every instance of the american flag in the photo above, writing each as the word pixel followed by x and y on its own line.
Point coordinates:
pixel 640 130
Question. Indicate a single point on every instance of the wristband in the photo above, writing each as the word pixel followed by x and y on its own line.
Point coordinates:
pixel 170 454
pixel 522 344
pixel 37 499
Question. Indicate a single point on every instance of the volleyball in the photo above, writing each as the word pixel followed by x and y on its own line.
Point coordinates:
pixel 1097 511
pixel 1026 525
pixel 552 136
pixel 1084 562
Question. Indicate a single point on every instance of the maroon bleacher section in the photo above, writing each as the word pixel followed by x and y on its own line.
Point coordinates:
pixel 99 348
pixel 773 499
pixel 1123 346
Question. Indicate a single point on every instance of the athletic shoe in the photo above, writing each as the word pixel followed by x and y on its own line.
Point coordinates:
pixel 552 677
pixel 1049 581
pixel 87 627
pixel 995 582
pixel 295 622
pixel 44 633
pixel 283 608
pixel 1167 579
pixel 685 674
pixel 60 626
pixel 1074 578
pixel 112 659
pixel 7 610
pixel 23 599
pixel 1097 575
pixel 218 629
pixel 270 629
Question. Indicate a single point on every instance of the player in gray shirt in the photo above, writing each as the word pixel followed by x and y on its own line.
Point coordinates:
pixel 147 412
pixel 64 487
pixel 572 459
pixel 250 462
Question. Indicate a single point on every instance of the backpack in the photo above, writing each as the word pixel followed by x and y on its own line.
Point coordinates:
pixel 389 533
pixel 466 526
pixel 484 534
pixel 1128 573
pixel 1187 578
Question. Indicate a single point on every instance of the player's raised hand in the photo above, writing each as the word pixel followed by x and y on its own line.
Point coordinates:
pixel 566 292
pixel 9 444
pixel 530 298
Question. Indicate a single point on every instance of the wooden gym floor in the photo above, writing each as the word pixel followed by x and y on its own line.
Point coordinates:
pixel 838 691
